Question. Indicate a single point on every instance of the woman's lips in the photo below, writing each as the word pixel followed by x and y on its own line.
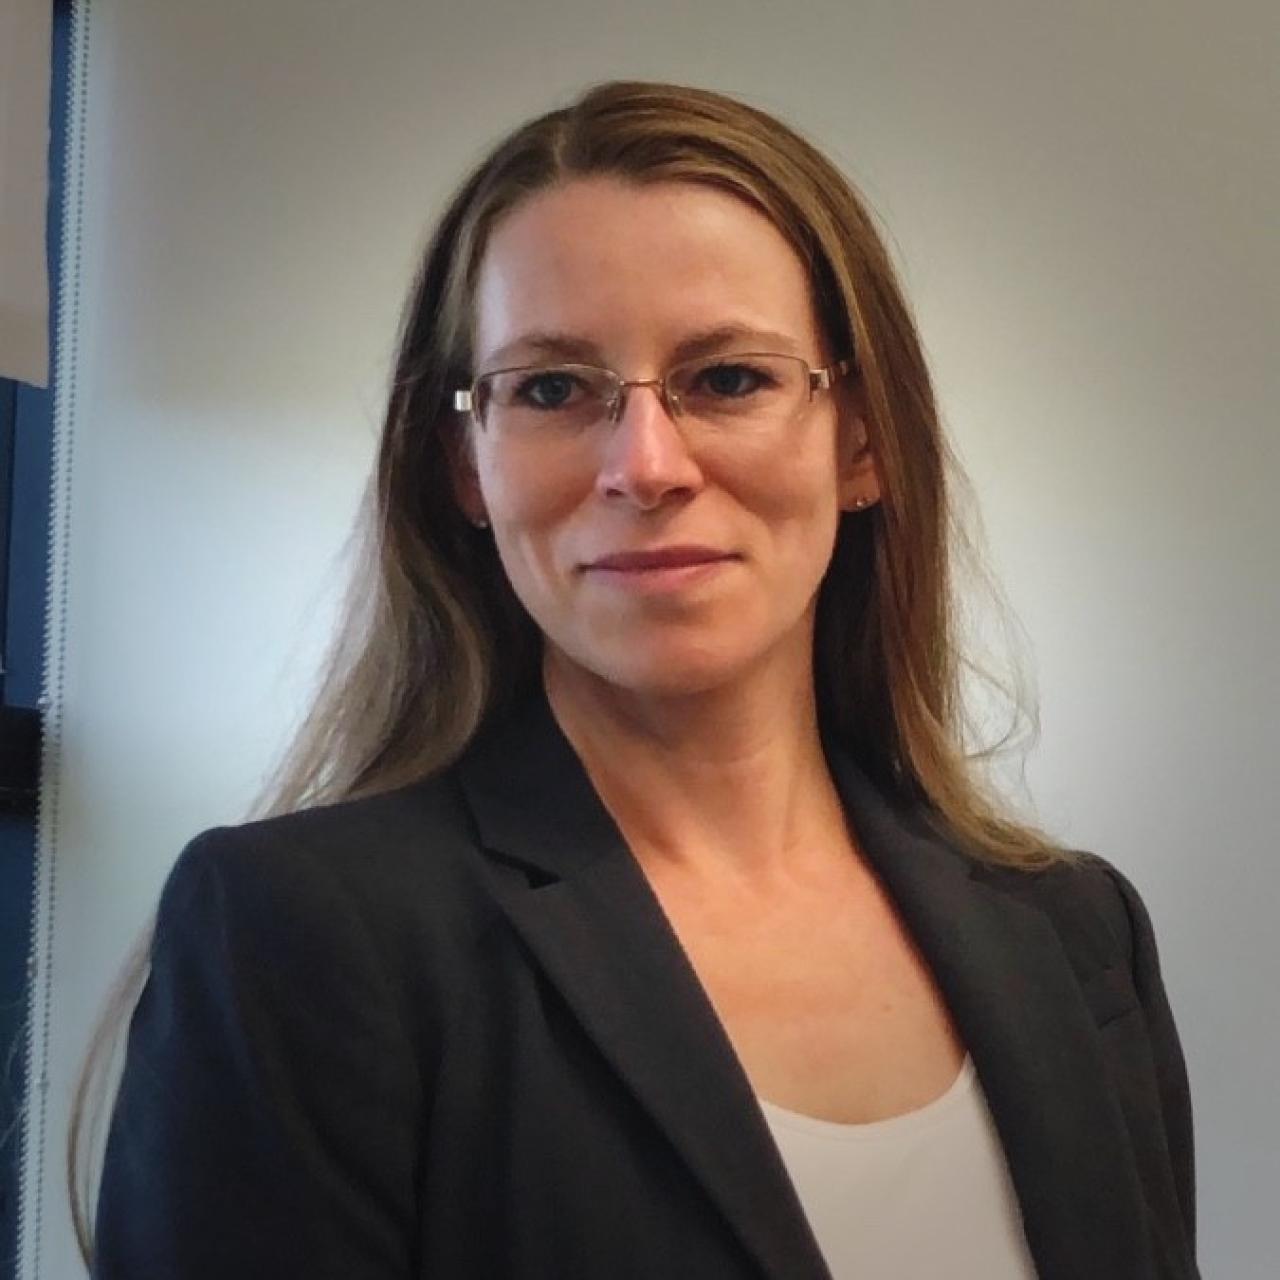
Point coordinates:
pixel 662 558
pixel 655 572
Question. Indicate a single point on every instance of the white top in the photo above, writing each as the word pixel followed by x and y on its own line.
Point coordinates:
pixel 917 1196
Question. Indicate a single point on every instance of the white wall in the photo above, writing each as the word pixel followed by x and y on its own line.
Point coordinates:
pixel 1084 200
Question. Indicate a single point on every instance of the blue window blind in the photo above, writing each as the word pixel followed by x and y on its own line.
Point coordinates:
pixel 26 470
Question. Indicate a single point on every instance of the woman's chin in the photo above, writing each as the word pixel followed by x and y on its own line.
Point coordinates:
pixel 662 671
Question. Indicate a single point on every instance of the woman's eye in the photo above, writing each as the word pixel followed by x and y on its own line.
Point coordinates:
pixel 732 379
pixel 546 390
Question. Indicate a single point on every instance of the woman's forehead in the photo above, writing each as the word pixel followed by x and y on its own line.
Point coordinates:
pixel 612 262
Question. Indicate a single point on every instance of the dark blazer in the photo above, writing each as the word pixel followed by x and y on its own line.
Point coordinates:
pixel 449 1032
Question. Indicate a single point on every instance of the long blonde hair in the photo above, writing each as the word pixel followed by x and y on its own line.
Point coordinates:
pixel 414 669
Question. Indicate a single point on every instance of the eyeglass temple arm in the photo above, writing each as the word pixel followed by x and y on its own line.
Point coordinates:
pixel 823 379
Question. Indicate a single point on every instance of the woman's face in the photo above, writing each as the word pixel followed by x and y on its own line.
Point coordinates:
pixel 631 273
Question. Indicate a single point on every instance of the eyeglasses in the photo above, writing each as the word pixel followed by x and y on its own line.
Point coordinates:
pixel 746 392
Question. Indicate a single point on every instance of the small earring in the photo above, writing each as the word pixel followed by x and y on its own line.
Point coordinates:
pixel 480 523
pixel 859 503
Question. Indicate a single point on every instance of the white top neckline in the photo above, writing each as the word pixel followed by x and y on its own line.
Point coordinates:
pixel 910 1122
pixel 926 1193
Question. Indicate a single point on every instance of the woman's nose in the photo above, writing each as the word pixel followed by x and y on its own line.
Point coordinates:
pixel 645 456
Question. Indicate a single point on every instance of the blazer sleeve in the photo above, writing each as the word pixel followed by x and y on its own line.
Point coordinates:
pixel 267 1115
pixel 1170 1066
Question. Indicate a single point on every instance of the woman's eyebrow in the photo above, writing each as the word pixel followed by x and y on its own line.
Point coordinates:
pixel 567 346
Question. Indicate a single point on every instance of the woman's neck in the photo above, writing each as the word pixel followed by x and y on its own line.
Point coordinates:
pixel 729 783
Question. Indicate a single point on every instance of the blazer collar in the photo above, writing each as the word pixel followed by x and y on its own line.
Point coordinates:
pixel 591 920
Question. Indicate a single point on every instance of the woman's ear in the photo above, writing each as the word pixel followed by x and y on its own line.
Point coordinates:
pixel 859 482
pixel 463 474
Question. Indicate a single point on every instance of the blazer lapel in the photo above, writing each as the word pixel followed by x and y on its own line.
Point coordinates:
pixel 595 926
pixel 1012 991
pixel 591 920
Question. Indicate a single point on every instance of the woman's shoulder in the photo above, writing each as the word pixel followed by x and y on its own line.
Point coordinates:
pixel 403 865
pixel 416 830
pixel 389 828
pixel 1094 906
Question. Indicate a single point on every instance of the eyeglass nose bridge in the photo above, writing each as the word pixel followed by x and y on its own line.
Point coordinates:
pixel 670 400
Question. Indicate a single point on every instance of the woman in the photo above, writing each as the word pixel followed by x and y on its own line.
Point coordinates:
pixel 629 909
